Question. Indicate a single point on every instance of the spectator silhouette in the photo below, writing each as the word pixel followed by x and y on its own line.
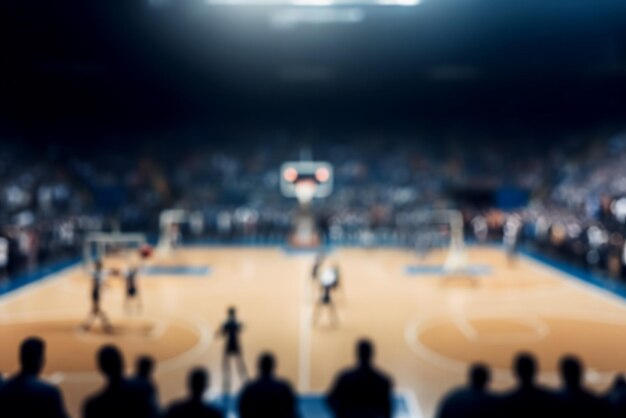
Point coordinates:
pixel 267 396
pixel 362 392
pixel 616 397
pixel 25 395
pixel 144 380
pixel 120 398
pixel 528 399
pixel 574 400
pixel 472 401
pixel 194 406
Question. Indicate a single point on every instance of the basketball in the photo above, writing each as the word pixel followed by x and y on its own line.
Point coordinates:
pixel 145 251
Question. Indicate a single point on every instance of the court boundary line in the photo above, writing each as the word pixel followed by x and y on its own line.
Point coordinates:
pixel 562 275
pixel 44 280
pixel 413 407
pixel 579 283
pixel 433 358
pixel 199 326
pixel 553 272
pixel 464 324
pixel 593 281
pixel 306 335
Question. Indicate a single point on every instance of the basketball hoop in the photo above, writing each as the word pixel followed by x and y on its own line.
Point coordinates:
pixel 305 180
pixel 305 191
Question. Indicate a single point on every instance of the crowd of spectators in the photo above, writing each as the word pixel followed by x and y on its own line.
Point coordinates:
pixel 362 391
pixel 531 399
pixel 359 392
pixel 572 192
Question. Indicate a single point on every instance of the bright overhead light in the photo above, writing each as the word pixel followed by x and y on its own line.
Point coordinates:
pixel 312 2
pixel 316 3
pixel 398 2
pixel 291 17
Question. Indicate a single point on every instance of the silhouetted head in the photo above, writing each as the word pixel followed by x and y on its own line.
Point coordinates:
pixel 145 366
pixel 365 352
pixel 232 312
pixel 110 362
pixel 198 382
pixel 267 365
pixel 571 371
pixel 479 376
pixel 619 382
pixel 32 355
pixel 525 368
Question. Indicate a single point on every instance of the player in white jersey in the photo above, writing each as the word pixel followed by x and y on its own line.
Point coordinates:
pixel 511 233
pixel 4 258
pixel 329 281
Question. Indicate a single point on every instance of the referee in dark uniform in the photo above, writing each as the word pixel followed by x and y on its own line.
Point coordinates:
pixel 230 330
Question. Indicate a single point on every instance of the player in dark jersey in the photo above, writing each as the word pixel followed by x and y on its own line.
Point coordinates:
pixel 97 283
pixel 328 282
pixel 317 264
pixel 337 281
pixel 230 330
pixel 132 290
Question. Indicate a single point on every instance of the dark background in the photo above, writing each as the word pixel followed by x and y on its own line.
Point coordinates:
pixel 77 70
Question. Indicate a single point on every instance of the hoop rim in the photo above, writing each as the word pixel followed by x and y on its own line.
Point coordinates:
pixel 305 190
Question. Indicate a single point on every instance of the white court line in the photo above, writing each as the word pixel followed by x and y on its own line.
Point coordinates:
pixel 247 270
pixel 540 328
pixel 575 282
pixel 205 336
pixel 411 332
pixel 195 325
pixel 459 318
pixel 198 325
pixel 413 406
pixel 37 284
pixel 180 361
pixel 416 327
pixel 55 378
pixel 415 411
pixel 304 355
pixel 159 327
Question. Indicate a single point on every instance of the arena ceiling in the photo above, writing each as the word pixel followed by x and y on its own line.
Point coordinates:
pixel 148 61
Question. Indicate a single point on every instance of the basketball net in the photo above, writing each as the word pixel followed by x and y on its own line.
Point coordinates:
pixel 305 191
pixel 456 260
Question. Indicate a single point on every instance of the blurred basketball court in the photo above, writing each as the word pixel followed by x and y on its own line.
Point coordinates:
pixel 427 326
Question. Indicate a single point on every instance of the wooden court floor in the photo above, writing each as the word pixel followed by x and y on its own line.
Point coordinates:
pixel 426 327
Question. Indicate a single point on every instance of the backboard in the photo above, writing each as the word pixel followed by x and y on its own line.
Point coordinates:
pixel 316 175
